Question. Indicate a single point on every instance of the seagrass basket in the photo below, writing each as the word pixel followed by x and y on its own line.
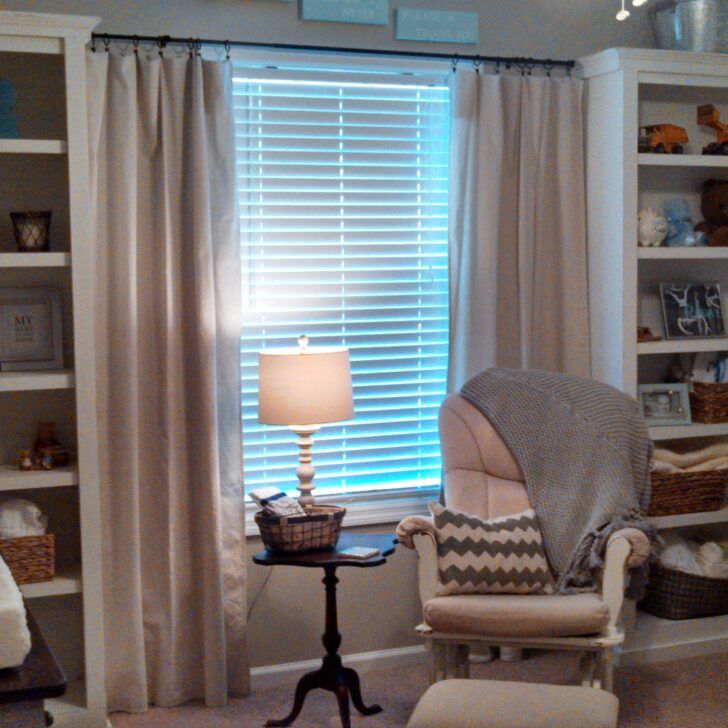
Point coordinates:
pixel 30 558
pixel 708 402
pixel 674 493
pixel 673 594
pixel 318 530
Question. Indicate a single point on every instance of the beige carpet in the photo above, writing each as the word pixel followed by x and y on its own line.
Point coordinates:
pixel 687 693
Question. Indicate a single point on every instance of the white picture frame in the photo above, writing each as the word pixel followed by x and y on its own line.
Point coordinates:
pixel 31 329
pixel 664 404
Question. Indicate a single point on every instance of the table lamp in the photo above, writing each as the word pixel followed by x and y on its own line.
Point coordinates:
pixel 304 388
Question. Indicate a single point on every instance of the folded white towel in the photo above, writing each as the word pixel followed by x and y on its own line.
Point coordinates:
pixel 20 517
pixel 14 634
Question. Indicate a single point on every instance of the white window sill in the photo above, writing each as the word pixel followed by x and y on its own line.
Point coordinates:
pixel 368 509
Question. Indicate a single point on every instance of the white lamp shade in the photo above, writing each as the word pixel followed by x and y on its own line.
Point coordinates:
pixel 304 387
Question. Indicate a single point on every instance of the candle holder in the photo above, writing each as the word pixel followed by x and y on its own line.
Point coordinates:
pixel 32 230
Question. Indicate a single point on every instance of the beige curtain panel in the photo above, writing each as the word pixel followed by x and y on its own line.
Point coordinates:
pixel 517 240
pixel 168 302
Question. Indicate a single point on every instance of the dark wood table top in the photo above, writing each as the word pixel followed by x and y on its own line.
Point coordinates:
pixel 384 542
pixel 38 678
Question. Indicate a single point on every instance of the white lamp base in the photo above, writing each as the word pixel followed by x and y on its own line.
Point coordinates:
pixel 305 471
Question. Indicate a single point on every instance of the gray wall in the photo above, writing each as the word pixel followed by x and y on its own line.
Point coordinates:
pixel 544 28
pixel 378 607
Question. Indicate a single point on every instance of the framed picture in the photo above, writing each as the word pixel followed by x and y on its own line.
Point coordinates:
pixel 664 404
pixel 30 329
pixel 692 310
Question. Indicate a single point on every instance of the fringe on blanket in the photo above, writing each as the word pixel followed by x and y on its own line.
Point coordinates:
pixel 589 557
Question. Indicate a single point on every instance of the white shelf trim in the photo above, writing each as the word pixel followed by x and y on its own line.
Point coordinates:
pixel 35 260
pixel 66 581
pixel 33 146
pixel 679 432
pixel 46 379
pixel 12 478
pixel 682 253
pixel 682 160
pixel 690 519
pixel 682 346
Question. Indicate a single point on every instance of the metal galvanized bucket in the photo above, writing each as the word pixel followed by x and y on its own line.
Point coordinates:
pixel 691 25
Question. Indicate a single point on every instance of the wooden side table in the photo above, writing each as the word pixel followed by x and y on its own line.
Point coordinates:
pixel 332 675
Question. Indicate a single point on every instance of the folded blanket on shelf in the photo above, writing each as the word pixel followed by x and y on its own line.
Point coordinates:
pixel 694 458
pixel 14 634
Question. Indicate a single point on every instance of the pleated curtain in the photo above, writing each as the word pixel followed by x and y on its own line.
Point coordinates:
pixel 167 302
pixel 517 228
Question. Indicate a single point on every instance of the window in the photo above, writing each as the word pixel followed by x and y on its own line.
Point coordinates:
pixel 343 211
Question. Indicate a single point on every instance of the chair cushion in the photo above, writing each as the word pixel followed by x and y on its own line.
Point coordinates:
pixel 489 556
pixel 508 615
pixel 500 704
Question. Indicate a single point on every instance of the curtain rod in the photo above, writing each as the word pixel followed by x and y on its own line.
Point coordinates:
pixel 522 63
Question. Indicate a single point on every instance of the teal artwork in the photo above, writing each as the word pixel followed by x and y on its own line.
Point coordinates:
pixel 366 12
pixel 8 120
pixel 440 26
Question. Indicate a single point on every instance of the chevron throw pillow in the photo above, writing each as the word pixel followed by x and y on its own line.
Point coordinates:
pixel 497 556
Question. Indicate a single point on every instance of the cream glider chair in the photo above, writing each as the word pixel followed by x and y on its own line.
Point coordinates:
pixel 482 478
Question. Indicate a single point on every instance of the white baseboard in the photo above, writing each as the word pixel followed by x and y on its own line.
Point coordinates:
pixel 287 673
pixel 674 651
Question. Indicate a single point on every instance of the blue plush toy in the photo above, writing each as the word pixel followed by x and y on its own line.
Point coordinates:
pixel 680 231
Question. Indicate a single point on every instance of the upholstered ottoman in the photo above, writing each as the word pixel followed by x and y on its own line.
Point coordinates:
pixel 500 704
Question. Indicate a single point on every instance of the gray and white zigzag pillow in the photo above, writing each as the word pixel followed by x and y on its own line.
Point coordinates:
pixel 496 556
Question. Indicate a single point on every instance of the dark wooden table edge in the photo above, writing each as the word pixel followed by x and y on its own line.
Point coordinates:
pixel 40 658
pixel 268 558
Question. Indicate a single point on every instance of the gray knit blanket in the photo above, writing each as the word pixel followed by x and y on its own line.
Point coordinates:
pixel 585 455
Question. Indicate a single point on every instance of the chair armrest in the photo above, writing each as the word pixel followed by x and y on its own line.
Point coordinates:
pixel 640 545
pixel 418 532
pixel 617 556
pixel 411 526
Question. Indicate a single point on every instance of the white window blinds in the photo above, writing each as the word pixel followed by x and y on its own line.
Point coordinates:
pixel 343 212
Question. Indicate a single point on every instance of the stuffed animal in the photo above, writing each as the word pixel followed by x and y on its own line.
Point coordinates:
pixel 680 232
pixel 714 206
pixel 652 228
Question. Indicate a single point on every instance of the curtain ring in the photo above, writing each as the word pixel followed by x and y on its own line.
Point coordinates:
pixel 93 43
pixel 522 65
pixel 198 48
pixel 107 43
pixel 162 41
pixel 135 43
pixel 476 63
pixel 190 46
pixel 548 67
pixel 497 68
pixel 226 45
pixel 455 60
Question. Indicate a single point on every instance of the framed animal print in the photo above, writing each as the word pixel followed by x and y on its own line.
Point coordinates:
pixel 692 310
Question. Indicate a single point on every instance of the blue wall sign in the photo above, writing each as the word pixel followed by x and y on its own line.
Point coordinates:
pixel 440 26
pixel 367 12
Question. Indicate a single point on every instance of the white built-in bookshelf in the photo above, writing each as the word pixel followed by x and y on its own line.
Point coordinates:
pixel 627 88
pixel 43 56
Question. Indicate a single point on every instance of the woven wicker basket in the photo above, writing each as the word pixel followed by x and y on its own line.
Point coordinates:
pixel 30 558
pixel 709 402
pixel 317 531
pixel 676 595
pixel 674 493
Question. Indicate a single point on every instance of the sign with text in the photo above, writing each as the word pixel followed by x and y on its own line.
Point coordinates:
pixel 367 12
pixel 440 26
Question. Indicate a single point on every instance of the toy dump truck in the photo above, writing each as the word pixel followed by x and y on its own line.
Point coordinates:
pixel 708 115
pixel 662 139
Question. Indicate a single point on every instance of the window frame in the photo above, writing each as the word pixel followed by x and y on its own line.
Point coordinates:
pixel 374 507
